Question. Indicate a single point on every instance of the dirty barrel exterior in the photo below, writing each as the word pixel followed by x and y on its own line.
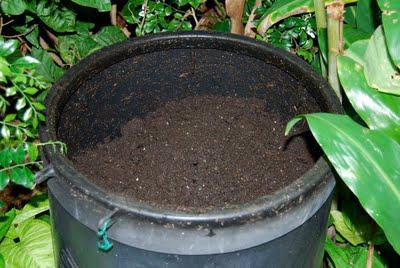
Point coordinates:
pixel 107 89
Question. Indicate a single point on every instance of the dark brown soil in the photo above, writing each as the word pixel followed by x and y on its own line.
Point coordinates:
pixel 199 153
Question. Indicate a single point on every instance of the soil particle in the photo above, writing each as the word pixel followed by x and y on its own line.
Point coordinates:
pixel 197 154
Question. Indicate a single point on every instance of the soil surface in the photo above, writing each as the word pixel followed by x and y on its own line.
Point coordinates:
pixel 199 153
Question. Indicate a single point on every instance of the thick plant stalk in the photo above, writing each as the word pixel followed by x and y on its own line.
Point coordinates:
pixel 234 9
pixel 335 43
pixel 320 15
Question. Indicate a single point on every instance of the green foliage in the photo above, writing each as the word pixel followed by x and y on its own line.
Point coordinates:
pixel 27 239
pixel 295 34
pixel 366 156
pixel 158 16
pixel 347 256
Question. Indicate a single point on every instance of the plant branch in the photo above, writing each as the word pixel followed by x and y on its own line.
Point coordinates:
pixel 144 15
pixel 53 55
pixel 22 34
pixel 248 29
pixel 113 14
pixel 335 43
pixel 370 259
pixel 234 9
pixel 21 165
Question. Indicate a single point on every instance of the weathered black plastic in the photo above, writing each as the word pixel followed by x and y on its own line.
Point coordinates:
pixel 95 97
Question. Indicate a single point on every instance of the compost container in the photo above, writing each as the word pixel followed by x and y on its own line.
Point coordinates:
pixel 93 227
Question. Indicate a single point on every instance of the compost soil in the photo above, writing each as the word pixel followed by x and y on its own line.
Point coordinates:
pixel 199 153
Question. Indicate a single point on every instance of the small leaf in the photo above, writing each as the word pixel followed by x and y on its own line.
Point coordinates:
pixel 4 179
pixel 101 5
pixel 351 235
pixel 9 47
pixel 39 106
pixel 11 91
pixel 22 176
pixel 33 151
pixel 5 157
pixel 37 205
pixel 18 155
pixel 21 103
pixel 26 62
pixel 30 90
pixel 27 114
pixel 5 132
pixel 9 117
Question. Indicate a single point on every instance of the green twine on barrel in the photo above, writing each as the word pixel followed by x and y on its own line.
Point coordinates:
pixel 104 244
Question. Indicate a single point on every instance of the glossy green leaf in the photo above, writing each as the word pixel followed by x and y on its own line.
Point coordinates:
pixel 348 230
pixel 357 51
pixel 13 7
pixel 282 9
pixel 101 5
pixel 351 35
pixel 367 161
pixel 58 19
pixel 22 176
pixel 8 47
pixel 5 157
pixel 379 70
pixel 350 16
pixel 4 179
pixel 379 110
pixel 346 256
pixel 48 68
pixel 33 151
pixel 26 62
pixel 5 132
pixel 365 16
pixel 18 155
pixel 5 222
pixel 109 35
pixel 34 207
pixel 391 24
pixel 2 262
pixel 34 248
pixel 75 47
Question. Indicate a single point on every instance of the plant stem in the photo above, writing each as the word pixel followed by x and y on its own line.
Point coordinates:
pixel 320 15
pixel 21 165
pixel 370 255
pixel 335 43
pixel 113 14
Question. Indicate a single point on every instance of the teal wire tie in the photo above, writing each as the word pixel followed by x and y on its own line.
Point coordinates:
pixel 104 244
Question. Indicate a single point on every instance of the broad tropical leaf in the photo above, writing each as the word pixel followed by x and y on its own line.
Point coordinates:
pixel 367 161
pixel 379 110
pixel 365 16
pixel 35 206
pixel 380 71
pixel 391 24
pixel 352 35
pixel 34 248
pixel 5 222
pixel 13 7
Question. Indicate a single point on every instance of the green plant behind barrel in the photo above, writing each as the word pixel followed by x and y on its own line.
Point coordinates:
pixel 366 155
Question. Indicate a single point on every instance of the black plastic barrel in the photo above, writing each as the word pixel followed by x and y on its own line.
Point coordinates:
pixel 104 91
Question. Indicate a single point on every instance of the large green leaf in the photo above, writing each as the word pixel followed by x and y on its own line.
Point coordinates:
pixel 101 5
pixel 349 232
pixel 282 9
pixel 60 19
pixel 380 71
pixel 35 206
pixel 391 24
pixel 352 35
pixel 367 161
pixel 350 257
pixel 357 51
pixel 379 110
pixel 13 7
pixel 33 249
pixel 365 16
pixel 5 222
